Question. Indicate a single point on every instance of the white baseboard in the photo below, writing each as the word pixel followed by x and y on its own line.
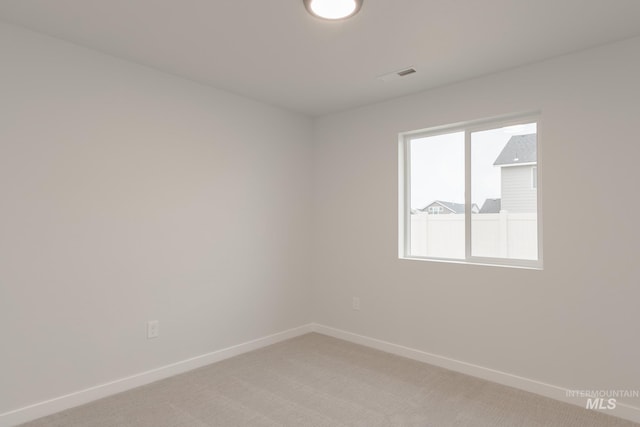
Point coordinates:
pixel 80 397
pixel 61 403
pixel 622 410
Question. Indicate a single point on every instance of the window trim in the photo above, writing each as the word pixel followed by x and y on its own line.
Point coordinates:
pixel 404 190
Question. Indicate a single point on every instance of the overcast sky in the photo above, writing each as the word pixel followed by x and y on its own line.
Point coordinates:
pixel 437 165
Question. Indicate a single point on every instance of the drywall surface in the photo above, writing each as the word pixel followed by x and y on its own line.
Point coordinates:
pixel 573 324
pixel 130 195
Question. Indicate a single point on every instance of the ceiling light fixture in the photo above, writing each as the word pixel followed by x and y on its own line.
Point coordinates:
pixel 333 9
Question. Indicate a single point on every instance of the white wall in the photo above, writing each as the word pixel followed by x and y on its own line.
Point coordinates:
pixel 127 195
pixel 574 324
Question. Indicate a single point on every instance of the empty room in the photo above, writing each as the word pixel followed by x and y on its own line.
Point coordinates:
pixel 319 213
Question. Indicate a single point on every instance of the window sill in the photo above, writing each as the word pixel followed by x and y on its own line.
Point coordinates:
pixel 521 264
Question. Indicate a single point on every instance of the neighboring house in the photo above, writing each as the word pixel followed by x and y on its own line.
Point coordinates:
pixel 491 206
pixel 440 207
pixel 519 174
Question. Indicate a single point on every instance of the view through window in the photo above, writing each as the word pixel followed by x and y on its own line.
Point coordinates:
pixel 472 194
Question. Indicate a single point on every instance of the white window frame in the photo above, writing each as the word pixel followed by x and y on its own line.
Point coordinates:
pixel 534 177
pixel 404 190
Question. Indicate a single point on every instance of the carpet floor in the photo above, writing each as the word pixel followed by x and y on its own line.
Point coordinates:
pixel 315 380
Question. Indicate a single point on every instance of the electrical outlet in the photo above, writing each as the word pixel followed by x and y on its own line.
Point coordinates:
pixel 356 303
pixel 153 329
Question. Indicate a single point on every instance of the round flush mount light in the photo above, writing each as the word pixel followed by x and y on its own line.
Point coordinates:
pixel 333 9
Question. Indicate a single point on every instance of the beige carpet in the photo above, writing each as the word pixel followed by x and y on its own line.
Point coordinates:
pixel 315 380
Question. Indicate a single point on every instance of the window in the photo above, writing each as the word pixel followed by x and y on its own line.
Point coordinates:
pixel 435 210
pixel 481 179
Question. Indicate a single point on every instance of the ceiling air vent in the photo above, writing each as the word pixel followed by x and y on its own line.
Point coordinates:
pixel 397 74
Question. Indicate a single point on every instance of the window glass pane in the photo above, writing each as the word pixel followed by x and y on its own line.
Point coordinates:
pixel 503 164
pixel 437 196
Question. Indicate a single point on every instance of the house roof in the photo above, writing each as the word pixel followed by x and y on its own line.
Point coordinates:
pixel 453 207
pixel 491 206
pixel 519 149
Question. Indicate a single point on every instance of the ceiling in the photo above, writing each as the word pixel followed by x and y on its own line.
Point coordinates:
pixel 274 51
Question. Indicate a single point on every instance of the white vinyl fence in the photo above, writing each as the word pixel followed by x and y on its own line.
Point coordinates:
pixel 501 235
